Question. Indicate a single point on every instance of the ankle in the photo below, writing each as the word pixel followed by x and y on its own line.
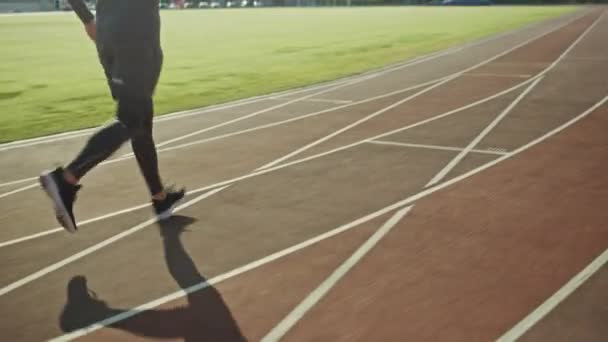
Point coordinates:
pixel 69 177
pixel 160 196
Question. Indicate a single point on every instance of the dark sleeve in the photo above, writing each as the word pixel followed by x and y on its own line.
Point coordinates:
pixel 82 10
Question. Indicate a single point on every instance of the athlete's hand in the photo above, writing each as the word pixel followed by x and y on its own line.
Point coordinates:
pixel 91 29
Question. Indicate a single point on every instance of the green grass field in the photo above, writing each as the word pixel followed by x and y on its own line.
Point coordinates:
pixel 50 80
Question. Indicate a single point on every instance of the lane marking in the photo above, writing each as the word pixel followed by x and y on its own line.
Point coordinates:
pixel 293 101
pixel 497 150
pixel 537 79
pixel 356 123
pixel 295 162
pixel 458 158
pixel 450 77
pixel 588 59
pixel 262 111
pixel 36 275
pixel 19 181
pixel 320 100
pixel 295 248
pixel 552 302
pixel 386 69
pixel 317 294
pixel 16 191
pixel 479 74
pixel 80 224
pixel 435 147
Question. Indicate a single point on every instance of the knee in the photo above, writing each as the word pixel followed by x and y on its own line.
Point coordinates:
pixel 135 114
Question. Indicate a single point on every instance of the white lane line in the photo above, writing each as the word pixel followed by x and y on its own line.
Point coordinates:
pixel 379 136
pixel 259 112
pixel 458 158
pixel 479 74
pixel 498 150
pixel 318 100
pixel 96 247
pixel 295 162
pixel 356 123
pixel 295 248
pixel 588 59
pixel 273 124
pixel 32 237
pixel 449 78
pixel 19 181
pixel 537 79
pixel 552 302
pixel 80 224
pixel 317 294
pixel 302 116
pixel 574 44
pixel 434 147
pixel 16 191
pixel 384 70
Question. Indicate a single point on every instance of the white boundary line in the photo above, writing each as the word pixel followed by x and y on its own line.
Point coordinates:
pixel 450 77
pixel 433 147
pixel 317 294
pixel 552 302
pixel 295 162
pixel 290 250
pixel 18 181
pixel 385 95
pixel 458 158
pixel 568 18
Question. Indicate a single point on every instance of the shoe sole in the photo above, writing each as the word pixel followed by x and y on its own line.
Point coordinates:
pixel 61 213
pixel 169 212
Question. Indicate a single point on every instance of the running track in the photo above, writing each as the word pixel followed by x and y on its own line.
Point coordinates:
pixel 457 197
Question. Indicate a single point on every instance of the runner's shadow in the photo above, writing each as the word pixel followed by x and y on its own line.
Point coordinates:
pixel 205 317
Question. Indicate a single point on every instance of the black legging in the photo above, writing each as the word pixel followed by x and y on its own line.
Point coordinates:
pixel 135 123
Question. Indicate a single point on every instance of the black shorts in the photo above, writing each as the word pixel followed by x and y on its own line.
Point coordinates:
pixel 132 68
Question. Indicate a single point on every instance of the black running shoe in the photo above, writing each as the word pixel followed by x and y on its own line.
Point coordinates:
pixel 164 209
pixel 63 195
